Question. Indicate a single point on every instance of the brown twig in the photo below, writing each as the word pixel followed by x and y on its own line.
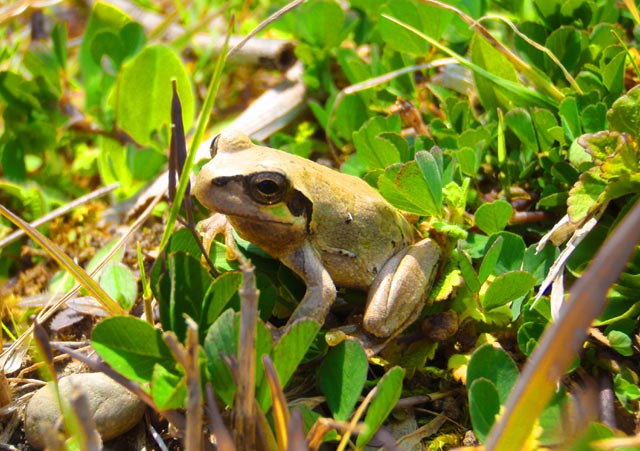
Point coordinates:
pixel 224 441
pixel 187 356
pixel 245 403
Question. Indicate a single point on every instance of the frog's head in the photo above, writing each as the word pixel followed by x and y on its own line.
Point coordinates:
pixel 249 181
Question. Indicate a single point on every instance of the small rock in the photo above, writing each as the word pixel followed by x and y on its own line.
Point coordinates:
pixel 115 409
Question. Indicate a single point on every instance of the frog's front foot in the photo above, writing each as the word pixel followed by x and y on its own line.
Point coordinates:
pixel 215 225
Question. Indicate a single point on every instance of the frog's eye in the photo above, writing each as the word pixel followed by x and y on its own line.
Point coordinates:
pixel 213 149
pixel 267 187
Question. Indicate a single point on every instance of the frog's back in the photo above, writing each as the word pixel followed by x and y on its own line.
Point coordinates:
pixel 356 233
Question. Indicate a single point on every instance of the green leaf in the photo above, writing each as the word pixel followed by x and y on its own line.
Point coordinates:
pixel 544 122
pixel 342 376
pixel 112 163
pixel 355 69
pixel 467 160
pixel 492 218
pixel 520 122
pixel 626 390
pixel 567 44
pixel 407 189
pixel 103 17
pixel 490 260
pixel 507 287
pixel 401 145
pixel 106 43
pixel 468 273
pixel 168 390
pixel 494 364
pixel 551 419
pixel 316 18
pixel 287 355
pixel 536 32
pixel 59 40
pixel 624 115
pixel 539 263
pixel 117 44
pixel 217 297
pixel 594 117
pixel 432 175
pixel 183 241
pixel 389 391
pixel 570 118
pixel 374 151
pixel 222 340
pixel 613 73
pixel 512 252
pixel 18 91
pixel 619 169
pixel 485 56
pixel 132 347
pixel 528 336
pixel 181 292
pixel 484 406
pixel 595 432
pixel 13 163
pixel 119 283
pixel 585 196
pixel 620 342
pixel 99 256
pixel 400 38
pixel 143 93
pixel 292 347
pixel 133 37
pixel 264 346
pixel 219 342
pixel 431 20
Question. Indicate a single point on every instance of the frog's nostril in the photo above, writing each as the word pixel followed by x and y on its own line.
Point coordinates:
pixel 220 181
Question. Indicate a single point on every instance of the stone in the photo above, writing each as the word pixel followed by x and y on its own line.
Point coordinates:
pixel 115 410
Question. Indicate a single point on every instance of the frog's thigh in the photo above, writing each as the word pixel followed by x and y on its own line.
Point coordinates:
pixel 321 291
pixel 398 293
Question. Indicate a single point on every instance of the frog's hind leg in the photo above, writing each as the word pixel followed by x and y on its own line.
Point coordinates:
pixel 398 293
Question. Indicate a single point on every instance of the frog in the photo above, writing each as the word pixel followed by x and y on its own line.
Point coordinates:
pixel 332 229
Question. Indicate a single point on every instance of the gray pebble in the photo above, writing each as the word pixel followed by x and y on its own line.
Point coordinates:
pixel 115 409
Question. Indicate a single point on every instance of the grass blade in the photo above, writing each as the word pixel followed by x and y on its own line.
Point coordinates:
pixel 529 95
pixel 66 262
pixel 203 121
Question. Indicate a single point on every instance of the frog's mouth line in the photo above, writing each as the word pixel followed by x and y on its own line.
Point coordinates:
pixel 257 221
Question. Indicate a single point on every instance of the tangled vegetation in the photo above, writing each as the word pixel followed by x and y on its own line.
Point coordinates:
pixel 506 131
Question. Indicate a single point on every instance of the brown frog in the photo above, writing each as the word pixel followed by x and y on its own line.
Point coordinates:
pixel 330 228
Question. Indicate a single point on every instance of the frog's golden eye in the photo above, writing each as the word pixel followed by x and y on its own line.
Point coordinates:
pixel 213 149
pixel 267 187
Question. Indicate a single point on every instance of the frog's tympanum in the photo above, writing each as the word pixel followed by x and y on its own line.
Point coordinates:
pixel 330 228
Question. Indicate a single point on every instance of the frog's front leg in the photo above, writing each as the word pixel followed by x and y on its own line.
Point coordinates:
pixel 321 291
pixel 398 293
